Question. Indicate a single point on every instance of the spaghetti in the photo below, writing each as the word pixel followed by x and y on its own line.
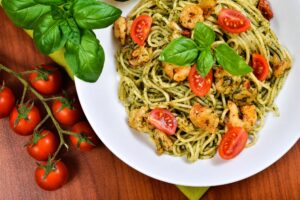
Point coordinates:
pixel 147 86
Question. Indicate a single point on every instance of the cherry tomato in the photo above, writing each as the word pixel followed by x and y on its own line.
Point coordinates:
pixel 233 21
pixel 7 101
pixel 140 29
pixel 24 118
pixel 46 79
pixel 42 145
pixel 260 66
pixel 200 86
pixel 85 138
pixel 51 176
pixel 163 120
pixel 233 142
pixel 66 112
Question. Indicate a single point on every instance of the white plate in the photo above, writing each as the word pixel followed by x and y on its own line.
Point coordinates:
pixel 108 118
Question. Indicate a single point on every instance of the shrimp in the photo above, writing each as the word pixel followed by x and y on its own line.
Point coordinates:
pixel 137 119
pixel 244 94
pixel 175 72
pixel 190 15
pixel 249 116
pixel 140 56
pixel 225 82
pixel 120 29
pixel 207 6
pixel 204 118
pixel 162 141
pixel 279 66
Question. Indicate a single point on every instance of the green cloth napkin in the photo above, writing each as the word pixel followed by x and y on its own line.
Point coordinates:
pixel 192 193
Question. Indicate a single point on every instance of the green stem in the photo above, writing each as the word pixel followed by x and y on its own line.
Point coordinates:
pixel 42 122
pixel 24 93
pixel 47 108
pixel 27 72
pixel 68 132
pixel 52 98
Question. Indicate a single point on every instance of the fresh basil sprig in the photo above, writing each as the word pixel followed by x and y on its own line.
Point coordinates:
pixel 181 51
pixel 66 24
pixel 186 52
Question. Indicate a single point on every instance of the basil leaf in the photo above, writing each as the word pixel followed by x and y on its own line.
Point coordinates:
pixel 57 13
pixel 86 59
pixel 47 35
pixel 70 30
pixel 51 2
pixel 205 62
pixel 204 36
pixel 231 61
pixel 90 14
pixel 181 51
pixel 24 13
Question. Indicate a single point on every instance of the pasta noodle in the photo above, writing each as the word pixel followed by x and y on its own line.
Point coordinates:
pixel 149 87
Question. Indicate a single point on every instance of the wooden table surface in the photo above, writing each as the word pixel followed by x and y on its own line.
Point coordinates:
pixel 101 175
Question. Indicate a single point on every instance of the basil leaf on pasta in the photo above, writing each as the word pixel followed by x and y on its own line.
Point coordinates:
pixel 205 62
pixel 181 51
pixel 231 61
pixel 204 36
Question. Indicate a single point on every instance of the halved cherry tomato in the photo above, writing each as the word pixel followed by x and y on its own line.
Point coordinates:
pixel 42 145
pixel 85 138
pixel 140 29
pixel 51 175
pixel 200 86
pixel 24 118
pixel 46 79
pixel 66 111
pixel 233 21
pixel 260 67
pixel 163 120
pixel 233 142
pixel 7 101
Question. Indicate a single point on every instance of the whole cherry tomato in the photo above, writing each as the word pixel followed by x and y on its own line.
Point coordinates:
pixel 66 111
pixel 85 138
pixel 7 101
pixel 24 118
pixel 51 175
pixel 46 79
pixel 42 145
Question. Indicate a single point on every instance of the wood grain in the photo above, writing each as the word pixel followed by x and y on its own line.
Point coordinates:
pixel 101 175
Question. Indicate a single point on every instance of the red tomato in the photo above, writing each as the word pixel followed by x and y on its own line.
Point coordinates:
pixel 200 86
pixel 140 29
pixel 66 112
pixel 233 21
pixel 24 118
pixel 7 101
pixel 260 66
pixel 265 9
pixel 233 142
pixel 42 145
pixel 51 176
pixel 46 79
pixel 163 120
pixel 85 138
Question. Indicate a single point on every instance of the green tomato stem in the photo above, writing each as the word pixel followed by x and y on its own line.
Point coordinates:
pixel 42 122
